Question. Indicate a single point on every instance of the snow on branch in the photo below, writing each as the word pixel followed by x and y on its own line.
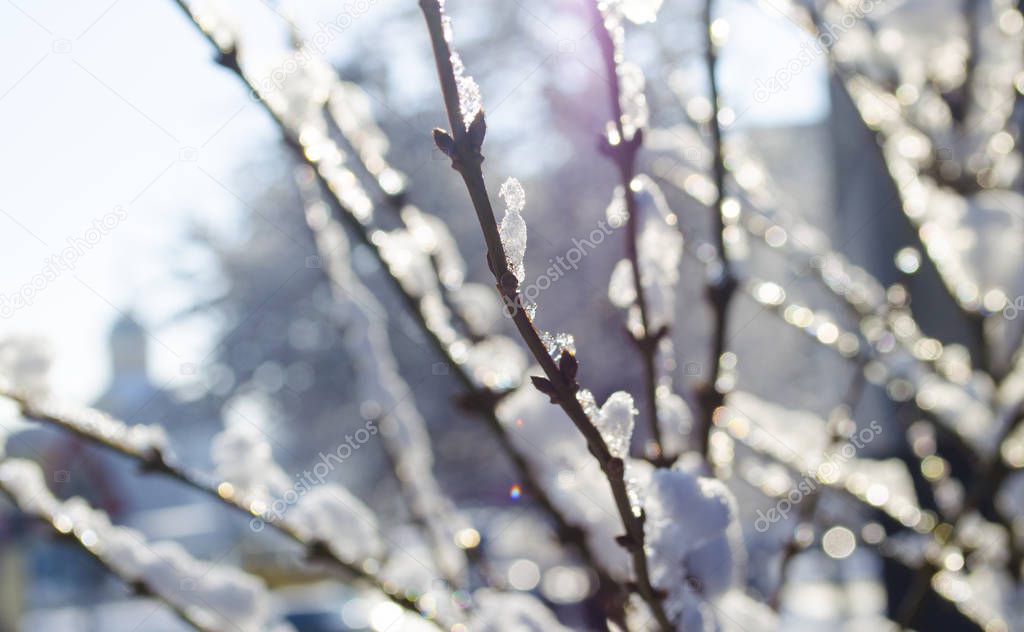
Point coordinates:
pixel 364 323
pixel 943 162
pixel 482 378
pixel 210 597
pixel 333 526
pixel 964 413
pixel 877 311
pixel 463 145
pixel 644 282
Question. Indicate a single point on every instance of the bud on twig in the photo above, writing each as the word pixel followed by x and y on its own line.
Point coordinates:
pixel 545 386
pixel 444 142
pixel 568 366
pixel 229 59
pixel 477 131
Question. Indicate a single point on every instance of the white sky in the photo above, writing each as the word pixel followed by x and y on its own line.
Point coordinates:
pixel 98 100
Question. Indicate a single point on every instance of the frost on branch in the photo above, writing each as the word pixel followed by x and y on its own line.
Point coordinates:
pixel 221 597
pixel 351 109
pixel 136 439
pixel 801 440
pixel 632 100
pixel 513 227
pixel 470 99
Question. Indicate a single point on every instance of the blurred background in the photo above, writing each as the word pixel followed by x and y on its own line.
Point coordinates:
pixel 195 298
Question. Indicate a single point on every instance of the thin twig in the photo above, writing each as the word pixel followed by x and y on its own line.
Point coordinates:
pixel 722 284
pixel 464 143
pixel 623 152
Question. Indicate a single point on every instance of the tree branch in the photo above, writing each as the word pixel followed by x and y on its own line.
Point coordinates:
pixel 623 152
pixel 464 144
pixel 153 460
pixel 485 400
pixel 140 587
pixel 721 283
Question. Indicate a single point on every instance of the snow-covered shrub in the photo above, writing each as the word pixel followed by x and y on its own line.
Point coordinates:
pixel 690 503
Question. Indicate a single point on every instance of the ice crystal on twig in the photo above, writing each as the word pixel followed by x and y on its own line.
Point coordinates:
pixel 513 227
pixel 615 421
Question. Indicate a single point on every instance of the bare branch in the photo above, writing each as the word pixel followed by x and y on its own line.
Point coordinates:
pixel 721 284
pixel 622 148
pixel 465 152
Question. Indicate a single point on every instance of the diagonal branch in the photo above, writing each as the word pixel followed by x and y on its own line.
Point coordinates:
pixel 464 148
pixel 138 585
pixel 152 459
pixel 482 399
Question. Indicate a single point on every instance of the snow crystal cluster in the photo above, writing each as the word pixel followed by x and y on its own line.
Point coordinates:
pixel 614 420
pixel 470 99
pixel 556 343
pixel 513 227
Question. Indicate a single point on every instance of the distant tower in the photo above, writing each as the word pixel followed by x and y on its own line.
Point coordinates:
pixel 128 346
pixel 129 386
